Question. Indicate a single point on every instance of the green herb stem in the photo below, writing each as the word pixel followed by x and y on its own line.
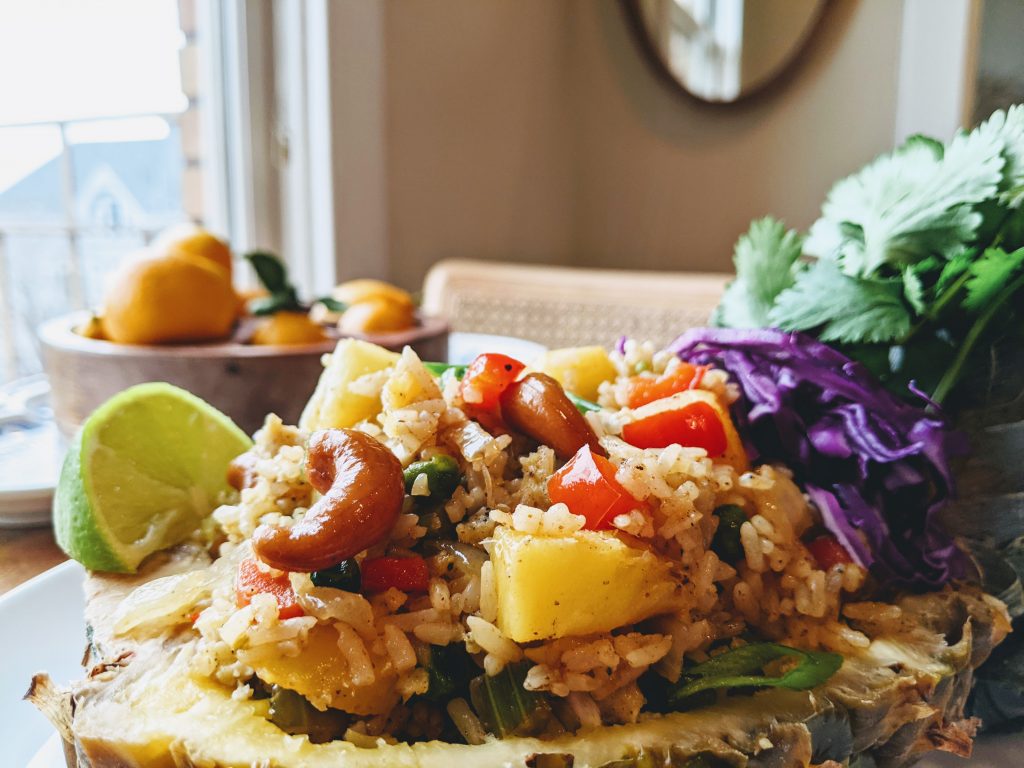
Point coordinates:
pixel 953 373
pixel 935 310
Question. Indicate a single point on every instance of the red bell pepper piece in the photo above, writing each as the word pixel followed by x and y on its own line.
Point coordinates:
pixel 587 485
pixel 695 426
pixel 646 389
pixel 486 378
pixel 251 581
pixel 827 551
pixel 408 574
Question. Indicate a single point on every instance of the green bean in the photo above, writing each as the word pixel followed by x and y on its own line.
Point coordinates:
pixel 726 542
pixel 443 477
pixel 505 707
pixel 449 669
pixel 293 714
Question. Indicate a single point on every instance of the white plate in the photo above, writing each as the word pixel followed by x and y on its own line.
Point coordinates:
pixel 30 453
pixel 41 629
pixel 463 347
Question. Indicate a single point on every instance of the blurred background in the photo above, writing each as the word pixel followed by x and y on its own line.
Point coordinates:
pixel 376 137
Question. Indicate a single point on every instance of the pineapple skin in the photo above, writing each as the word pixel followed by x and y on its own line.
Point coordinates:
pixel 903 697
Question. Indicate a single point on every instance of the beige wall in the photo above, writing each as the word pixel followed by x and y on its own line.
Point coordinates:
pixel 533 130
pixel 479 136
pixel 666 182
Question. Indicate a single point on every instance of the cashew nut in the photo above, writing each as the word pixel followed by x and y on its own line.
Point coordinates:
pixel 363 491
pixel 537 406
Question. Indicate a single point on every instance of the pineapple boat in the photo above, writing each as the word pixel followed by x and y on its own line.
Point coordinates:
pixel 719 554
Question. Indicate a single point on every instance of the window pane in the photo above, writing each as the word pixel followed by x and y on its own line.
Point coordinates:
pixel 30 185
pixel 38 275
pixel 92 158
pixel 89 58
pixel 100 254
pixel 127 174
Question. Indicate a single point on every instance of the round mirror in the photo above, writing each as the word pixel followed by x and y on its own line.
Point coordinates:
pixel 723 50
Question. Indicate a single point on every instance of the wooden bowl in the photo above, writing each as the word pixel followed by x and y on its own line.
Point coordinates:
pixel 245 381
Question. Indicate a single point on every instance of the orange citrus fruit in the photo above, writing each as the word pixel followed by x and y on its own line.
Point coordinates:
pixel 376 315
pixel 355 291
pixel 196 241
pixel 170 298
pixel 287 328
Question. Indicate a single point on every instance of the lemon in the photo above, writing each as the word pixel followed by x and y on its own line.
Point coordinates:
pixel 188 238
pixel 147 466
pixel 169 298
pixel 376 315
pixel 287 328
pixel 354 291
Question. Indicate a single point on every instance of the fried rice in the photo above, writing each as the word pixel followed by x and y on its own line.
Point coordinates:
pixel 774 591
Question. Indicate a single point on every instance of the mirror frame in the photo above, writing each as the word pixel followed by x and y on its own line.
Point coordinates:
pixel 638 31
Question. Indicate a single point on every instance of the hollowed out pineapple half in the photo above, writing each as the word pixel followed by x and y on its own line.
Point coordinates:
pixel 140 707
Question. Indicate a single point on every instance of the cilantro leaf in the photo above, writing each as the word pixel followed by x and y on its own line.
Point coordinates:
pixel 908 205
pixel 919 140
pixel 954 268
pixel 846 309
pixel 1008 129
pixel 766 259
pixel 913 289
pixel 989 275
pixel 744 667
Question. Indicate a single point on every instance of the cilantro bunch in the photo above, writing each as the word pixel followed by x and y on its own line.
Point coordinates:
pixel 915 267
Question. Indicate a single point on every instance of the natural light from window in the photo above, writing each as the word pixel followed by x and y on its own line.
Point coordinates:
pixel 98 150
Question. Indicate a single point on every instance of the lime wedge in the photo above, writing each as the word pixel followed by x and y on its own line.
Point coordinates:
pixel 147 466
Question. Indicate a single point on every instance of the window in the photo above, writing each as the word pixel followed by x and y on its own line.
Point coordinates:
pixel 124 117
pixel 99 150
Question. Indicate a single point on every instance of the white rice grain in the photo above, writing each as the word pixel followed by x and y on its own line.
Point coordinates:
pixel 437 632
pixel 525 519
pixel 399 649
pixel 752 547
pixel 466 722
pixel 360 666
pixel 585 708
pixel 559 521
pixel 489 637
pixel 440 595
pixel 488 593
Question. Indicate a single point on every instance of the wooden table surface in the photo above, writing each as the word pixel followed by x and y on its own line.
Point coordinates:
pixel 25 553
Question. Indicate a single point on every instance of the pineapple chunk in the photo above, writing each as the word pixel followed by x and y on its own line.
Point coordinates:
pixel 410 383
pixel 579 370
pixel 574 585
pixel 735 453
pixel 319 672
pixel 333 404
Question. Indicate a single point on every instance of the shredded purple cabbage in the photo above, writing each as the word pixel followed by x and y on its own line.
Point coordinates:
pixel 877 468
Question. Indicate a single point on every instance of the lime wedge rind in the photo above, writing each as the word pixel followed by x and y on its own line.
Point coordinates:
pixel 145 469
pixel 73 526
